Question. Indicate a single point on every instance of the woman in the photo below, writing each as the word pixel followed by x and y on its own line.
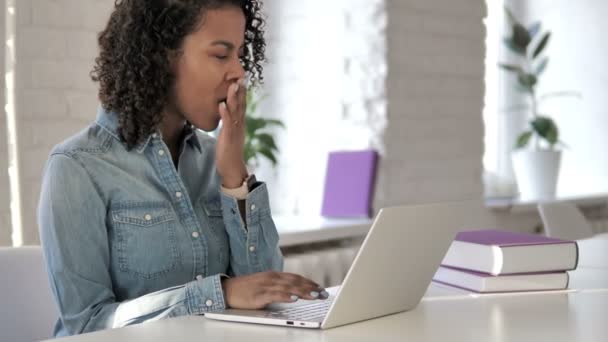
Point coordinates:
pixel 141 215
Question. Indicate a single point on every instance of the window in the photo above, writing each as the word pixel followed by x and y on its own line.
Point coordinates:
pixel 575 64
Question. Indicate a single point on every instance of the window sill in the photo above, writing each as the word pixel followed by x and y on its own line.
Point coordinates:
pixel 301 230
pixel 516 205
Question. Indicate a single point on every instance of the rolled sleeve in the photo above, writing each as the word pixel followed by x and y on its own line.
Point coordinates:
pixel 204 295
pixel 79 268
pixel 255 246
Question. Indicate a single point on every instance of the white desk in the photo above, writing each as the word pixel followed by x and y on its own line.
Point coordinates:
pixel 444 314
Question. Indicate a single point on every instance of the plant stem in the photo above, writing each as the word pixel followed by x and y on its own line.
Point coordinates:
pixel 533 103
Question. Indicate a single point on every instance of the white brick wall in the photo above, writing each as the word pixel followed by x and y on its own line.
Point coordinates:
pixel 434 139
pixel 5 214
pixel 55 49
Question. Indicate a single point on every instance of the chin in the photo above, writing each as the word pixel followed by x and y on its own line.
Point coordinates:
pixel 209 125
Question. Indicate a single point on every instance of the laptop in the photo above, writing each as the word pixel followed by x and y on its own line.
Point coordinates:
pixel 389 274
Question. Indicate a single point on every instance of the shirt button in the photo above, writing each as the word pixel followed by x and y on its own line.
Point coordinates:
pixel 161 152
pixel 178 194
pixel 148 217
pixel 195 235
pixel 209 302
pixel 154 135
pixel 253 207
pixel 252 248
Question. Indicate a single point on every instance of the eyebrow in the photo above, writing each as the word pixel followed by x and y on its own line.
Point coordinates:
pixel 228 45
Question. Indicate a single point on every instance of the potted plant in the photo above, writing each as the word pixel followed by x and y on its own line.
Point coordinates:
pixel 259 142
pixel 536 159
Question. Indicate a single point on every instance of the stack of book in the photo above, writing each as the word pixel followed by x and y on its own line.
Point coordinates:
pixel 487 261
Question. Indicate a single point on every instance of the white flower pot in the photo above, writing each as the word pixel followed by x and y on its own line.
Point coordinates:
pixel 536 173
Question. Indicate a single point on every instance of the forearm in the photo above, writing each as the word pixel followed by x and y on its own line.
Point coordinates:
pixel 254 244
pixel 193 298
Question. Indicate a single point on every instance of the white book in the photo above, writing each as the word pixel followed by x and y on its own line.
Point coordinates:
pixel 486 283
pixel 501 252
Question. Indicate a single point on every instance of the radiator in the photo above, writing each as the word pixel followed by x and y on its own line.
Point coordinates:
pixel 599 226
pixel 597 217
pixel 325 266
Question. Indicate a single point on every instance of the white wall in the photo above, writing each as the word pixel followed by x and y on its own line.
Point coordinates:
pixel 5 215
pixel 325 80
pixel 578 51
pixel 55 97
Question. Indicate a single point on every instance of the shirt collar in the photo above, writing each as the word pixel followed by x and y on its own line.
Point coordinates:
pixel 191 137
pixel 108 120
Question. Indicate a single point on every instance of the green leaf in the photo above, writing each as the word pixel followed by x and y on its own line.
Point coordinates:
pixel 528 81
pixel 546 128
pixel 268 141
pixel 541 125
pixel 523 139
pixel 552 135
pixel 258 143
pixel 273 122
pixel 511 67
pixel 521 37
pixel 514 47
pixel 249 153
pixel 540 68
pixel 269 154
pixel 534 29
pixel 254 124
pixel 541 46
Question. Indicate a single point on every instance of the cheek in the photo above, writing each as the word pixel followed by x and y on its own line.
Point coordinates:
pixel 196 86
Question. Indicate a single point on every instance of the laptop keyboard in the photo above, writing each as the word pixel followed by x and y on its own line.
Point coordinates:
pixel 308 312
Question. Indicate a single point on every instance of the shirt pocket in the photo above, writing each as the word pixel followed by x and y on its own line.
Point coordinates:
pixel 213 210
pixel 146 238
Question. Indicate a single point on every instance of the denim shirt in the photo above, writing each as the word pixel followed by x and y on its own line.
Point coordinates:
pixel 128 238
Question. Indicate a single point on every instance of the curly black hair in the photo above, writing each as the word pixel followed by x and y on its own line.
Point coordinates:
pixel 133 67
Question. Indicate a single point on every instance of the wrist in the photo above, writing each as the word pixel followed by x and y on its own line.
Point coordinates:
pixel 233 183
pixel 235 180
pixel 224 281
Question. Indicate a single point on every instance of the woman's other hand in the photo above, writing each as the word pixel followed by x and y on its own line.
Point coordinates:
pixel 257 290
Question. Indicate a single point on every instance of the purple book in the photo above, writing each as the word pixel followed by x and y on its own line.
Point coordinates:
pixel 486 283
pixel 502 252
pixel 349 184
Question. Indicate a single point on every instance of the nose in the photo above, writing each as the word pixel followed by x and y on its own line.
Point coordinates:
pixel 236 71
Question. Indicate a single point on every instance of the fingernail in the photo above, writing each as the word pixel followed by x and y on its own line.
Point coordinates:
pixel 294 298
pixel 324 294
pixel 236 88
pixel 314 294
pixel 223 105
